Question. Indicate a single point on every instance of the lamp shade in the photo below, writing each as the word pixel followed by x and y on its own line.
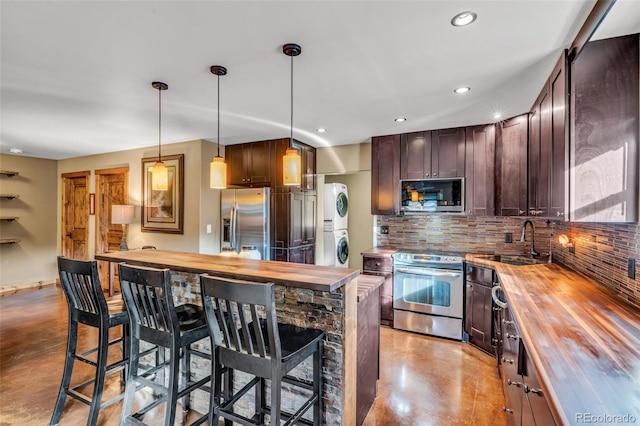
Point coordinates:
pixel 292 168
pixel 121 214
pixel 218 173
pixel 159 177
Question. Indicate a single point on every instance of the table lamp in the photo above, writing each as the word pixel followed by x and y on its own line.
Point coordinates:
pixel 122 215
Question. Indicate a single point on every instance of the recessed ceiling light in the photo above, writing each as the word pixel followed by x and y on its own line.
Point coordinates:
pixel 400 119
pixel 464 18
pixel 15 151
pixel 497 116
pixel 462 89
pixel 321 130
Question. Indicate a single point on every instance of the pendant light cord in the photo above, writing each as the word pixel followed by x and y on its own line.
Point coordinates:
pixel 291 141
pixel 218 115
pixel 159 122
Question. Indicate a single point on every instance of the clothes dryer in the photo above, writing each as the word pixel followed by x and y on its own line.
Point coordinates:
pixel 336 206
pixel 336 248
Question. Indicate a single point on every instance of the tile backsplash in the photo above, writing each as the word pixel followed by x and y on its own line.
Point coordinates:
pixel 601 250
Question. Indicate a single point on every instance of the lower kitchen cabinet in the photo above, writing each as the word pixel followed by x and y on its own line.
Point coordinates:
pixel 478 318
pixel 304 254
pixel 382 266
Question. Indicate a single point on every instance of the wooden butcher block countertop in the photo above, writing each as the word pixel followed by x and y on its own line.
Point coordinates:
pixel 582 338
pixel 322 278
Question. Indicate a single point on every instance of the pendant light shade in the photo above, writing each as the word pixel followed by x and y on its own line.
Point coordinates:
pixel 218 168
pixel 291 163
pixel 159 172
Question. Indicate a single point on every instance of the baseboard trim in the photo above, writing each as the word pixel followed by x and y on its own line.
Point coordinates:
pixel 19 288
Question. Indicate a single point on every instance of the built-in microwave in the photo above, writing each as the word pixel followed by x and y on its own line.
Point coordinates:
pixel 443 195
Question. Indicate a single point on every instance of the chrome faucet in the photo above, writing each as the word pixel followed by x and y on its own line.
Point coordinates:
pixel 533 251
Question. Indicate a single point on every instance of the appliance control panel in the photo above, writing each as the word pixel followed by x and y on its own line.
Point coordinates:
pixel 427 258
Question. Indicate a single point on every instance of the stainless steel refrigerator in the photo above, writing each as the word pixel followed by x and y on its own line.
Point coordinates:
pixel 244 217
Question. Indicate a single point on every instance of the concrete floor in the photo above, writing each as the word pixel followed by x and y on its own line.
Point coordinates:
pixel 424 381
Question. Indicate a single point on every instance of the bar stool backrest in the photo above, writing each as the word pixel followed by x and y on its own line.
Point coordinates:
pixel 238 314
pixel 81 287
pixel 148 297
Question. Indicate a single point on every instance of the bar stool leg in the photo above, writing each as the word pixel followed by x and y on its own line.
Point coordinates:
pixel 72 340
pixel 101 370
pixel 130 389
pixel 276 391
pixel 174 380
pixel 317 384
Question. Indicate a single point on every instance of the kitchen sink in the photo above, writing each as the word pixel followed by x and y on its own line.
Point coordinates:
pixel 514 259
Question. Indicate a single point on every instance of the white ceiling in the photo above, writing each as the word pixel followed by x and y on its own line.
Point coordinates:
pixel 76 75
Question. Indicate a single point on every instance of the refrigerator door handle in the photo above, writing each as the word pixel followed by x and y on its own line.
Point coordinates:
pixel 233 225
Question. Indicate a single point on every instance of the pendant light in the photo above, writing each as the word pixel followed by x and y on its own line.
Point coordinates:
pixel 291 161
pixel 159 172
pixel 218 168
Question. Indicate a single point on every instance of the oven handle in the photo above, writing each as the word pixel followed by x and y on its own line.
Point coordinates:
pixel 429 271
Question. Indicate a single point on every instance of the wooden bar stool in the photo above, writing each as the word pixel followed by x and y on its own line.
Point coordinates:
pixel 246 336
pixel 155 319
pixel 87 305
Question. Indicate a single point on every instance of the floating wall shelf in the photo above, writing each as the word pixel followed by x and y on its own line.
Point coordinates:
pixel 9 218
pixel 9 196
pixel 9 240
pixel 8 173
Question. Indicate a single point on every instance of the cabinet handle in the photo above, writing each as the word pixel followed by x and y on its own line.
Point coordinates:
pixel 496 308
pixel 538 392
pixel 512 336
pixel 559 213
pixel 521 212
pixel 507 322
pixel 435 174
pixel 426 175
pixel 510 361
pixel 516 384
pixel 507 410
pixel 532 212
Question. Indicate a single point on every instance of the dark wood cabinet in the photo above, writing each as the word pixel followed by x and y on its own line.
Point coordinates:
pixel 511 166
pixel 368 354
pixel 510 371
pixel 480 170
pixel 382 266
pixel 249 164
pixel 478 317
pixel 385 175
pixel 307 164
pixel 535 408
pixel 293 226
pixel 447 152
pixel 303 254
pixel 432 154
pixel 547 144
pixel 415 155
pixel 605 131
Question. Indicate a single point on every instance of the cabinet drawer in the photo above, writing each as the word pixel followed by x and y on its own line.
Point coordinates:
pixel 377 264
pixel 480 275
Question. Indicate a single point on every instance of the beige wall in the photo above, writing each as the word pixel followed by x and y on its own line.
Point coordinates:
pixel 32 261
pixel 350 165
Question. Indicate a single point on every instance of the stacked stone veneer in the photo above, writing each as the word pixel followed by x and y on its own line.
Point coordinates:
pixel 601 250
pixel 300 307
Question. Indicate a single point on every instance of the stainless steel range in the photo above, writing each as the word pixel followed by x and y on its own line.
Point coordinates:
pixel 428 293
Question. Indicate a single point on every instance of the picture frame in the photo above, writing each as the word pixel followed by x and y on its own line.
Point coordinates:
pixel 163 211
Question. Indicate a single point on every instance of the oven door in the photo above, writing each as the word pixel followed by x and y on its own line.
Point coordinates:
pixel 428 290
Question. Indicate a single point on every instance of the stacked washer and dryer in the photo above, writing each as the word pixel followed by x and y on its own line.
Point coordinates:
pixel 336 213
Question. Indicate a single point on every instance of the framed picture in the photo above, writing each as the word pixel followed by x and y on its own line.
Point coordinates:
pixel 162 211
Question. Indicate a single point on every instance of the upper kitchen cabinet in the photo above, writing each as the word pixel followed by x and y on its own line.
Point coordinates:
pixel 249 164
pixel 447 153
pixel 480 170
pixel 605 131
pixel 432 154
pixel 385 175
pixel 547 144
pixel 511 166
pixel 307 164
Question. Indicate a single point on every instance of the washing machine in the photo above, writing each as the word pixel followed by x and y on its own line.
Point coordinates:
pixel 336 248
pixel 336 206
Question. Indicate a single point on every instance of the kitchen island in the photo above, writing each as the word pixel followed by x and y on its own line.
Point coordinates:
pixel 582 339
pixel 306 295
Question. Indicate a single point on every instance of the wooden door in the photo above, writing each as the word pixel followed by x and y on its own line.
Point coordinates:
pixel 385 175
pixel 112 188
pixel 480 170
pixel 415 155
pixel 447 152
pixel 75 215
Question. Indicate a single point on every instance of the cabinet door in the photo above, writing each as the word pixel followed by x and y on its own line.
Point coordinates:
pixel 605 131
pixel 308 164
pixel 535 405
pixel 415 155
pixel 539 158
pixel 559 163
pixel 309 218
pixel 511 378
pixel 234 157
pixel 296 224
pixel 447 152
pixel 257 160
pixel 310 255
pixel 480 170
pixel 385 175
pixel 511 166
